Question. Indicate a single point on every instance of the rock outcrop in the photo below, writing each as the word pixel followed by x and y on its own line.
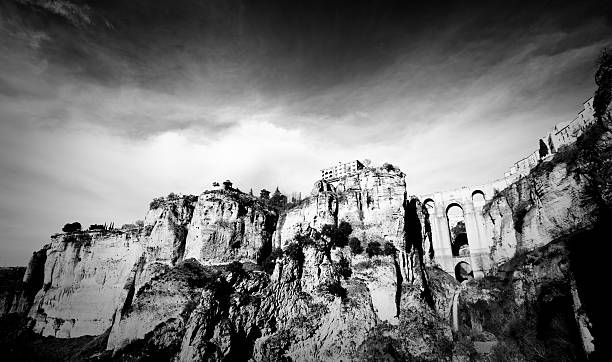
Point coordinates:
pixel 228 225
pixel 204 279
pixel 84 277
pixel 10 286
pixel 371 201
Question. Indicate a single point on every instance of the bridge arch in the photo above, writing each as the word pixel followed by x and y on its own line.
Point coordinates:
pixel 463 271
pixel 478 198
pixel 457 230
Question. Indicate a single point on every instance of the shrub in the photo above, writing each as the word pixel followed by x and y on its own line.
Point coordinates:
pixel 139 223
pixel 72 227
pixel 389 249
pixel 94 227
pixel 355 245
pixel 304 240
pixel 338 236
pixel 344 230
pixel 235 268
pixel 156 203
pixel 388 167
pixel 270 261
pixel 294 251
pixel 343 267
pixel 333 288
pixel 328 230
pixel 373 248
pixel 172 196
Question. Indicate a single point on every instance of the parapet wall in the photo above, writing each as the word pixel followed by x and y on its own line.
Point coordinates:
pixel 562 134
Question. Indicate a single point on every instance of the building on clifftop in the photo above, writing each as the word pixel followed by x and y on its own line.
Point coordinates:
pixel 341 170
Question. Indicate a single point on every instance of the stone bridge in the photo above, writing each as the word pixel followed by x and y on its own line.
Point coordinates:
pixel 466 203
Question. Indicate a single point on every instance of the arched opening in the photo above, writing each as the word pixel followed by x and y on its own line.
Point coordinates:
pixel 463 271
pixel 430 206
pixel 458 234
pixel 478 198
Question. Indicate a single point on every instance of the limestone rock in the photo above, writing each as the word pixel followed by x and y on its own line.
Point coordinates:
pixel 536 210
pixel 371 201
pixel 10 285
pixel 228 225
pixel 83 281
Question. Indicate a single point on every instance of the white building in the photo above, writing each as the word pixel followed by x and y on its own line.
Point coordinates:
pixel 341 170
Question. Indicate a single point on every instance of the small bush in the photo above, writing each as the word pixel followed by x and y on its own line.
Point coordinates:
pixel 156 203
pixel 388 167
pixel 355 245
pixel 139 223
pixel 270 261
pixel 294 251
pixel 94 227
pixel 344 230
pixel 338 236
pixel 235 268
pixel 72 227
pixel 333 288
pixel 389 249
pixel 172 196
pixel 343 267
pixel 304 240
pixel 373 249
pixel 328 230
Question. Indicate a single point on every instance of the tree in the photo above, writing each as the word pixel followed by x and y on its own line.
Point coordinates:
pixel 338 236
pixel 389 249
pixel 373 248
pixel 72 227
pixel 543 149
pixel 328 230
pixel 294 251
pixel 343 267
pixel 603 79
pixel 355 245
pixel 156 203
pixel 389 167
pixel 264 195
pixel 278 200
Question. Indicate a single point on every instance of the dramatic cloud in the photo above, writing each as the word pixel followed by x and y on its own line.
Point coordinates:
pixel 107 104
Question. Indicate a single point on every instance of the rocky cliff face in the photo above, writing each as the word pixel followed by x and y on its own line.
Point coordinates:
pixel 83 283
pixel 372 201
pixel 199 281
pixel 228 225
pixel 558 198
pixel 88 276
pixel 538 209
pixel 10 285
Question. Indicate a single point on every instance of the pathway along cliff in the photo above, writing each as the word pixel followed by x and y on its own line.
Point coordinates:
pixel 228 276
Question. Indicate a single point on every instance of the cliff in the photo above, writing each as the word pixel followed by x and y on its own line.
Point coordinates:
pixel 10 284
pixel 203 277
pixel 570 193
pixel 371 201
pixel 228 225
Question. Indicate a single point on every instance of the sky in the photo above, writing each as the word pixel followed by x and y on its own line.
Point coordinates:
pixel 106 104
